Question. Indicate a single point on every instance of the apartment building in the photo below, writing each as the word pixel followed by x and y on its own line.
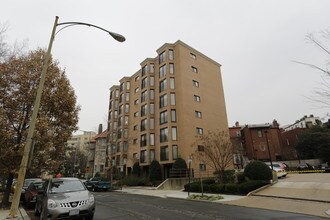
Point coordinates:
pixel 157 113
pixel 81 141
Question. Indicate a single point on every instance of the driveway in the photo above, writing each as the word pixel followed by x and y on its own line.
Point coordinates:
pixel 299 193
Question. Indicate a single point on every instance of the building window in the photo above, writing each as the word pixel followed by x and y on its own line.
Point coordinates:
pixel 144 83
pixel 135 141
pixel 121 107
pixel 125 133
pixel 136 114
pixel 175 153
pixel 121 98
pixel 152 123
pixel 163 117
pixel 162 71
pixel 143 124
pixel 126 108
pixel 164 153
pixel 143 110
pixel 121 88
pixel 125 146
pixel 162 85
pixel 116 104
pixel 143 156
pixel 172 84
pixel 116 114
pixel 152 155
pixel 173 115
pixel 202 167
pixel 195 83
pixel 143 141
pixel 152 139
pixel 173 101
pixel 171 54
pixel 197 98
pixel 136 101
pixel 193 56
pixel 152 81
pixel 144 96
pixel 117 93
pixel 127 97
pixel 119 121
pixel 135 127
pixel 163 135
pixel 152 109
pixel 144 70
pixel 128 85
pixel 137 78
pixel 171 68
pixel 120 131
pixel 163 101
pixel 200 148
pixel 136 90
pixel 174 134
pixel 260 133
pixel 110 105
pixel 199 130
pixel 162 57
pixel 194 69
pixel 152 68
pixel 198 114
pixel 152 94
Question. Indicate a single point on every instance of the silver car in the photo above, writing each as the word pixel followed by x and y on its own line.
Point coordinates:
pixel 63 198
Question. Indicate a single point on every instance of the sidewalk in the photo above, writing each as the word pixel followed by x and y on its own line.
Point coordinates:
pixel 22 215
pixel 151 191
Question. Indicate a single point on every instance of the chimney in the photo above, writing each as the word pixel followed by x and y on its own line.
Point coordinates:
pixel 100 129
pixel 237 124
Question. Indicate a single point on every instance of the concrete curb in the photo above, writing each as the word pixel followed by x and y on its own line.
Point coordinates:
pixel 261 188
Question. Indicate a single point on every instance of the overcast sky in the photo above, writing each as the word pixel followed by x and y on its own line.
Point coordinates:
pixel 255 41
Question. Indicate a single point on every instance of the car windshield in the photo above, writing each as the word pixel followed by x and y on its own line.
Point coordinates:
pixel 62 186
pixel 27 182
pixel 276 165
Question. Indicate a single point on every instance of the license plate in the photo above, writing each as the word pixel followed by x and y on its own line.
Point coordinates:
pixel 74 212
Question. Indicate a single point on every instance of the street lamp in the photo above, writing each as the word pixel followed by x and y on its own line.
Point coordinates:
pixel 27 146
pixel 270 157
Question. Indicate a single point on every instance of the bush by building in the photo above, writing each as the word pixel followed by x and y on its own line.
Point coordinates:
pixel 258 170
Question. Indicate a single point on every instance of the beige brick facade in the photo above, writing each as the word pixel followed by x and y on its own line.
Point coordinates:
pixel 157 112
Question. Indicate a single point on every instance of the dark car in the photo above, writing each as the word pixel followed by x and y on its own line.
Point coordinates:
pixel 98 184
pixel 65 198
pixel 25 185
pixel 305 166
pixel 30 195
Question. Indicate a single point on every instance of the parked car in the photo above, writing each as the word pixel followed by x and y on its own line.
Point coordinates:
pixel 279 168
pixel 324 166
pixel 26 184
pixel 64 198
pixel 97 184
pixel 305 166
pixel 30 195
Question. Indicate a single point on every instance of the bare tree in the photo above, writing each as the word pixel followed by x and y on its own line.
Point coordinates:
pixel 216 150
pixel 321 40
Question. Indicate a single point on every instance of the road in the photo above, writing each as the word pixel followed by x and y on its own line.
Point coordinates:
pixel 117 205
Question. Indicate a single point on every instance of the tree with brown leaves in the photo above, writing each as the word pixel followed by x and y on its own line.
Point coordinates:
pixel 216 151
pixel 57 118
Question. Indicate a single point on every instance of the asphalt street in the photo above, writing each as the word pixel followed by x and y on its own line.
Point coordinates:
pixel 116 205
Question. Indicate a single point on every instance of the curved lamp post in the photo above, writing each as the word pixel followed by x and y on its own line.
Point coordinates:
pixel 27 147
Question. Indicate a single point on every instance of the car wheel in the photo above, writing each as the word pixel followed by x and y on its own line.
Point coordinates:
pixel 36 212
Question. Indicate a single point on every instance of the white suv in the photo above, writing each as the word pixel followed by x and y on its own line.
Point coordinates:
pixel 279 168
